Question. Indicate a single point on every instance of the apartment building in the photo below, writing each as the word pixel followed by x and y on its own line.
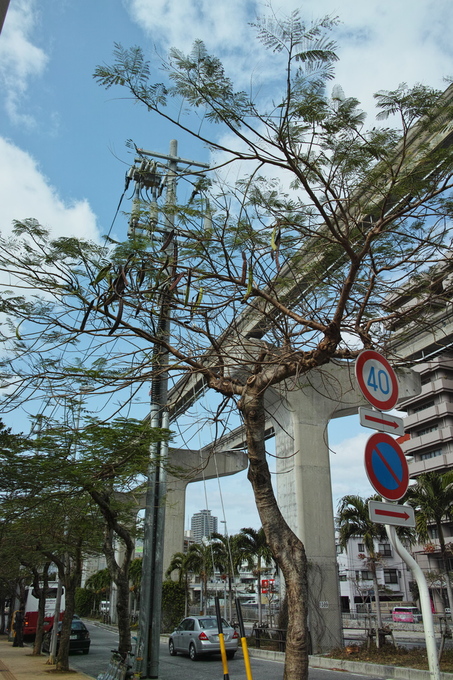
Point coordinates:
pixel 356 581
pixel 428 445
pixel 203 525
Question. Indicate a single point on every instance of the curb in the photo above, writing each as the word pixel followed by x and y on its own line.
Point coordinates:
pixel 379 670
pixel 372 669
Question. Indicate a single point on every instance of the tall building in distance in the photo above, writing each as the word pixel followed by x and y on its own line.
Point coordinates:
pixel 202 525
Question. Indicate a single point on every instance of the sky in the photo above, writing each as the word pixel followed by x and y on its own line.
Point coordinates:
pixel 63 152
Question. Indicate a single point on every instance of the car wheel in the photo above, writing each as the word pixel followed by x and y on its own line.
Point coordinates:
pixel 193 652
pixel 230 655
pixel 85 651
pixel 171 648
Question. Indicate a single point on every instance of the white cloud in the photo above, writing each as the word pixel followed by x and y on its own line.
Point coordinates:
pixel 25 192
pixel 380 44
pixel 20 60
pixel 348 469
pixel 177 24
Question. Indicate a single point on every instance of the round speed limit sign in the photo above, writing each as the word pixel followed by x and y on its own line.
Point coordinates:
pixel 377 380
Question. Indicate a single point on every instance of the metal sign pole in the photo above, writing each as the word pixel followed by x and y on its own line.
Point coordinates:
pixel 425 602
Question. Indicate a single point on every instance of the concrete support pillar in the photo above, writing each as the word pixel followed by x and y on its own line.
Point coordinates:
pixel 301 418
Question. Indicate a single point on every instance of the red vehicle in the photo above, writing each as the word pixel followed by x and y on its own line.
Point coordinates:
pixel 31 608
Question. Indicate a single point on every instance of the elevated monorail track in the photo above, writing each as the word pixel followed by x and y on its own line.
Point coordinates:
pixel 256 320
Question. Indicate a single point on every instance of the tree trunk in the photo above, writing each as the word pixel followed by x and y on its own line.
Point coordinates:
pixel 122 610
pixel 443 552
pixel 260 606
pixel 120 575
pixel 41 606
pixel 70 583
pixel 286 547
pixel 377 602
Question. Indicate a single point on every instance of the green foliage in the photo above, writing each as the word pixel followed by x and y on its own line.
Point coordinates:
pixel 135 574
pixel 353 519
pixel 84 601
pixel 172 605
pixel 432 498
pixel 99 583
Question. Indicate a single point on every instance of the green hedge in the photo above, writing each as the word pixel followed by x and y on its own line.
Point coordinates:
pixel 84 601
pixel 172 605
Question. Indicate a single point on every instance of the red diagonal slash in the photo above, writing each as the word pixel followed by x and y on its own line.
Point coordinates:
pixel 376 450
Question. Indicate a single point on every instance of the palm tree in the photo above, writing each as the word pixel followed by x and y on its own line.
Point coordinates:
pixel 432 498
pixel 353 520
pixel 181 562
pixel 256 551
pixel 202 559
pixel 100 583
pixel 229 557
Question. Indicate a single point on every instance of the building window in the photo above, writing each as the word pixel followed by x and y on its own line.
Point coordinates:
pixel 422 407
pixel 343 577
pixel 390 576
pixel 426 430
pixel 364 575
pixel 430 454
pixel 385 549
pixel 339 549
pixel 361 547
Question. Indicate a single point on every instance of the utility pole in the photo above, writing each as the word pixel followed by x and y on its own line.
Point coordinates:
pixel 3 9
pixel 149 174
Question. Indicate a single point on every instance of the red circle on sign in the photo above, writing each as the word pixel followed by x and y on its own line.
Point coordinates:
pixel 377 379
pixel 386 466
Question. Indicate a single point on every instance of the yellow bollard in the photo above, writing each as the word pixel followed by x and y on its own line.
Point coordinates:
pixel 245 651
pixel 226 675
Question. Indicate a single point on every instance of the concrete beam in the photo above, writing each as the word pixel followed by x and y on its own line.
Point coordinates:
pixel 192 466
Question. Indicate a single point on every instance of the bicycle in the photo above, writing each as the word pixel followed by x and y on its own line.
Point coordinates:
pixel 119 667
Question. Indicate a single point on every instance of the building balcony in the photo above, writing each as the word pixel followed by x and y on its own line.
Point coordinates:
pixel 430 439
pixel 437 386
pixel 442 462
pixel 444 409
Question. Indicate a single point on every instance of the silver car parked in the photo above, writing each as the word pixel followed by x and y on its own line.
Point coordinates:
pixel 198 635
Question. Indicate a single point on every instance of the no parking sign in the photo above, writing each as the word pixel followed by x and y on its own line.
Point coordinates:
pixel 386 466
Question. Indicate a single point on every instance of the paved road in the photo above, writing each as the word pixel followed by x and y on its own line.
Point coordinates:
pixel 103 640
pixel 177 667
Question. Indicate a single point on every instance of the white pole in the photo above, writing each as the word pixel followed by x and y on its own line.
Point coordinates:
pixel 425 602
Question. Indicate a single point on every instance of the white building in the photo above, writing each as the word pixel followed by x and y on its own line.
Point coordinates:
pixel 356 581
pixel 203 525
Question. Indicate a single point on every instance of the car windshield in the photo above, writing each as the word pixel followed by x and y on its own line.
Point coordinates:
pixel 211 623
pixel 77 625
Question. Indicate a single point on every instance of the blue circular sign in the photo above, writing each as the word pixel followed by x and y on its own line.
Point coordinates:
pixel 386 466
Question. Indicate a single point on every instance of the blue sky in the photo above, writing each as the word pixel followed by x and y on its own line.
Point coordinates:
pixel 62 138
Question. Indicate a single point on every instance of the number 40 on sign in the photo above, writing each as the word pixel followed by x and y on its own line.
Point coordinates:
pixel 377 380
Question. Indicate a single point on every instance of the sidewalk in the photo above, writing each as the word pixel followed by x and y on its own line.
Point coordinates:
pixel 17 663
